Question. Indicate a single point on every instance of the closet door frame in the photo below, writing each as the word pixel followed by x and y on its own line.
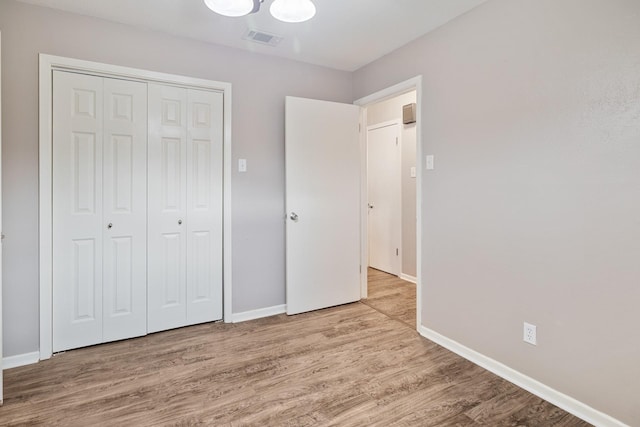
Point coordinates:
pixel 49 63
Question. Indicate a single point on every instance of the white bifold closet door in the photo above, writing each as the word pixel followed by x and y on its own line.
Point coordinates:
pixel 99 209
pixel 185 207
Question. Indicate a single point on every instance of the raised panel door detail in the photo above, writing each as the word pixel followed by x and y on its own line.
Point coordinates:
pixel 84 279
pixel 122 107
pixel 171 112
pixel 204 203
pixel 84 172
pixel 167 216
pixel 201 262
pixel 171 174
pixel 125 209
pixel 122 159
pixel 201 115
pixel 201 174
pixel 77 204
pixel 84 103
pixel 122 286
pixel 172 269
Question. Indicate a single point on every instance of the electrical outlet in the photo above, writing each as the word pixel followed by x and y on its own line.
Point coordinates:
pixel 530 333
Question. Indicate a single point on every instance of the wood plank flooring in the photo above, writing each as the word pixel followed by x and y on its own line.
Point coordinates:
pixel 352 365
pixel 392 296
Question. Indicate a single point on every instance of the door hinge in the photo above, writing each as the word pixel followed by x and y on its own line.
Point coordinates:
pixel 397 252
pixel 396 140
pixel 359 127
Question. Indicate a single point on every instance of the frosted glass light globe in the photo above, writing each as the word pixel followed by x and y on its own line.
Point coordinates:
pixel 292 10
pixel 230 7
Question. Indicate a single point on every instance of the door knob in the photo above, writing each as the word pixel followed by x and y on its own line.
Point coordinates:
pixel 370 206
pixel 294 217
pixel 179 222
pixel 110 226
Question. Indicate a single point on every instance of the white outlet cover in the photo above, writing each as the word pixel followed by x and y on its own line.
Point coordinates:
pixel 530 334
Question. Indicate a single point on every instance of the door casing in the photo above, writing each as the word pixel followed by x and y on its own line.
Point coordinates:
pixel 48 63
pixel 1 235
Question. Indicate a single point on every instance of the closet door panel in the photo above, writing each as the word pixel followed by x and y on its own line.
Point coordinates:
pixel 125 209
pixel 204 206
pixel 77 210
pixel 167 200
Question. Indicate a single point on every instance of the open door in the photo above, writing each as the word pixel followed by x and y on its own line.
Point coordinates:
pixel 322 161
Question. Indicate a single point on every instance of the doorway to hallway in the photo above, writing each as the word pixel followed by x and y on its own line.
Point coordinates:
pixel 389 105
pixel 392 187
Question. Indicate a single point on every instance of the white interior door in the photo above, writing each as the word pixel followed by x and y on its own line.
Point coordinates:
pixel 167 207
pixel 77 210
pixel 323 204
pixel 99 210
pixel 384 198
pixel 204 206
pixel 185 207
pixel 125 210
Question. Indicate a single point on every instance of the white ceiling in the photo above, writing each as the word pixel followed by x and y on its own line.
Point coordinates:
pixel 344 34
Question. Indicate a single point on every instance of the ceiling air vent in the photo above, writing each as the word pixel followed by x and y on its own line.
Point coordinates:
pixel 262 37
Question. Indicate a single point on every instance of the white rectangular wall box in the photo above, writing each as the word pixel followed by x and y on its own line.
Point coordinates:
pixel 430 162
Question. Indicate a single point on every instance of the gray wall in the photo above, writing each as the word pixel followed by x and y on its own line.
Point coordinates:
pixel 388 110
pixel 532 110
pixel 260 85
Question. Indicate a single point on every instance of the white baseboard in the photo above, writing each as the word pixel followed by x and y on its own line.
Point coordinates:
pixel 259 314
pixel 541 390
pixel 408 278
pixel 20 360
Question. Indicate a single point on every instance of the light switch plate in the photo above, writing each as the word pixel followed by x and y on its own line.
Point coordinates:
pixel 430 162
pixel 242 165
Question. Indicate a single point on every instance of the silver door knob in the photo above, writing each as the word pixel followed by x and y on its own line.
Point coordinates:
pixel 110 226
pixel 179 222
pixel 294 217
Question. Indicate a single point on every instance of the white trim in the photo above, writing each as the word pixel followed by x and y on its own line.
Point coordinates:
pixel 364 248
pixel 1 364
pixel 561 400
pixel 20 360
pixel 391 92
pixel 386 124
pixel 47 64
pixel 414 83
pixel 408 278
pixel 259 313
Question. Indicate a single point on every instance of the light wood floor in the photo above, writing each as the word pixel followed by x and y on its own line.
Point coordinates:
pixel 354 365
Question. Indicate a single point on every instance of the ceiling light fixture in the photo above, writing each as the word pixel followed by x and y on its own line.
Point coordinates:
pixel 231 8
pixel 283 10
pixel 292 10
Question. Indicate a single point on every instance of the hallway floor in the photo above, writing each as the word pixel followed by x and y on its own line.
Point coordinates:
pixel 392 296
